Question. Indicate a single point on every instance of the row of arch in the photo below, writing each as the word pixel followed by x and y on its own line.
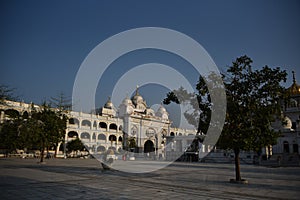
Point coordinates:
pixel 286 147
pixel 178 134
pixel 101 149
pixel 101 136
pixel 148 147
pixel 101 125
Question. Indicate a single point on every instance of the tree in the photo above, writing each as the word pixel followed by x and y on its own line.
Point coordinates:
pixel 17 131
pixel 253 104
pixel 61 102
pixel 75 145
pixel 8 136
pixel 199 114
pixel 43 129
pixel 53 129
pixel 131 143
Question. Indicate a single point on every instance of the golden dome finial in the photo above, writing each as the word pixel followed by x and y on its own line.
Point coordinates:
pixel 294 89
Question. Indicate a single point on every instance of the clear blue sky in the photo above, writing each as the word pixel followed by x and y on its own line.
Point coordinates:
pixel 43 43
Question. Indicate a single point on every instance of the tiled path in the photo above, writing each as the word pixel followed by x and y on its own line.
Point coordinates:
pixel 85 179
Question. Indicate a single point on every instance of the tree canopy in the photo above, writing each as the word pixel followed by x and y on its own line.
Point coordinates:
pixel 42 130
pixel 75 145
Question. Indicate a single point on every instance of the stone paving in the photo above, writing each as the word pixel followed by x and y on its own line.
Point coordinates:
pixel 85 179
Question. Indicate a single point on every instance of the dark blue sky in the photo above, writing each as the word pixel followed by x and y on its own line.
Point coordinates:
pixel 43 43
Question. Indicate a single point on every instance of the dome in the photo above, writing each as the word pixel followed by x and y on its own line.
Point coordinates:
pixel 108 104
pixel 294 89
pixel 126 107
pixel 287 123
pixel 127 101
pixel 137 98
pixel 162 112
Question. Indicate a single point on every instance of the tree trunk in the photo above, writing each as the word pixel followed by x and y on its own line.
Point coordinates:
pixel 42 152
pixel 42 155
pixel 237 164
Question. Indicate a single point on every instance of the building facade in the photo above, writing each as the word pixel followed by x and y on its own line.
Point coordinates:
pixel 132 126
pixel 289 141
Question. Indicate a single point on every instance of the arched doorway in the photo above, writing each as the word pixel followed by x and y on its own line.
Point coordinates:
pixel 295 148
pixel 286 147
pixel 148 146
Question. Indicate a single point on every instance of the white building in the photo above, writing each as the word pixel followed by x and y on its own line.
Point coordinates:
pixel 113 128
pixel 289 141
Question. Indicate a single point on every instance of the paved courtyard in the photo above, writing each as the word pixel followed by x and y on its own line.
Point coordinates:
pixel 85 179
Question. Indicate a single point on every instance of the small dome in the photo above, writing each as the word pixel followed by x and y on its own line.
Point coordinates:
pixel 287 123
pixel 294 89
pixel 127 101
pixel 162 109
pixel 108 104
pixel 137 98
pixel 162 112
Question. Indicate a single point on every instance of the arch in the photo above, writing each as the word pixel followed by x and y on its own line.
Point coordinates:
pixel 172 134
pixel 286 147
pixel 120 139
pixel 85 135
pixel 72 134
pixel 25 115
pixel 113 126
pixel 120 128
pixel 12 113
pixel 101 137
pixel 180 134
pixel 73 121
pixel 148 146
pixel 86 122
pixel 94 136
pixel 112 138
pixel 103 125
pixel 295 148
pixel 101 149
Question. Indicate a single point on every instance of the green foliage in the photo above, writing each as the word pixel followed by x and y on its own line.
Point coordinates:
pixel 41 130
pixel 253 103
pixel 75 145
pixel 200 112
pixel 131 142
pixel 53 127
pixel 8 135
